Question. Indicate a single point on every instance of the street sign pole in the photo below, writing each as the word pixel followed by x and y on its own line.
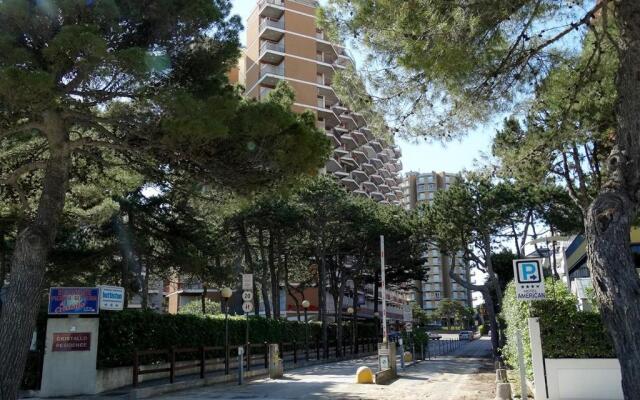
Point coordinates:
pixel 521 366
pixel 384 292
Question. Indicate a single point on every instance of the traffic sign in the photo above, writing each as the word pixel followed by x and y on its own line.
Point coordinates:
pixel 247 307
pixel 529 279
pixel 247 295
pixel 247 281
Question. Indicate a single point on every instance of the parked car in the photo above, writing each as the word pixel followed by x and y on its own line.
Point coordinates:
pixel 434 336
pixel 465 335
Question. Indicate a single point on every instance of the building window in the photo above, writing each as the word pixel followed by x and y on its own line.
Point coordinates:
pixel 437 295
pixel 421 188
pixel 431 196
pixel 421 179
pixel 431 186
pixel 421 196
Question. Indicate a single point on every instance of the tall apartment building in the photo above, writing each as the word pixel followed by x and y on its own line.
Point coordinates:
pixel 420 188
pixel 285 43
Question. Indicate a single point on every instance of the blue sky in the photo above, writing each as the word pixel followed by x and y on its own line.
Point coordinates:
pixel 452 157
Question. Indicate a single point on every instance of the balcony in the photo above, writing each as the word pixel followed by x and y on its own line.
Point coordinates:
pixel 359 176
pixel 333 166
pixel 368 168
pixel 338 108
pixel 349 161
pixel 391 182
pixel 350 183
pixel 377 196
pixel 370 187
pixel 359 137
pixel 383 156
pixel 270 74
pixel 340 153
pixel 349 122
pixel 272 52
pixel 348 142
pixel 272 29
pixel 377 146
pixel 334 140
pixel 271 8
pixel 377 179
pixel 359 156
pixel 384 188
pixel 376 162
pixel 361 193
pixel 371 153
pixel 270 69
pixel 264 92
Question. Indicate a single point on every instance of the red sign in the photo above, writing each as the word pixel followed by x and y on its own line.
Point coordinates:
pixel 72 341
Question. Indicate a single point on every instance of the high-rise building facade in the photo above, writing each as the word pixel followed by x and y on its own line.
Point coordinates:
pixel 420 188
pixel 284 42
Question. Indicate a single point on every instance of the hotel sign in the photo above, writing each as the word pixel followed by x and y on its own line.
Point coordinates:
pixel 74 300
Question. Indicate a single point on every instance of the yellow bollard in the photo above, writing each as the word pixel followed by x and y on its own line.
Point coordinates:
pixel 364 375
pixel 408 357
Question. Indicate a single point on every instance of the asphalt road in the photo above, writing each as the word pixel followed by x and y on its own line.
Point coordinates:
pixel 462 375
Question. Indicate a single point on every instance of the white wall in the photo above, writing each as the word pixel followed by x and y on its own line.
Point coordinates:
pixel 588 379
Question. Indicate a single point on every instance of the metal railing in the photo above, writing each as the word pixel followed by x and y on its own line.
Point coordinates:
pixel 271 69
pixel 220 359
pixel 279 24
pixel 273 46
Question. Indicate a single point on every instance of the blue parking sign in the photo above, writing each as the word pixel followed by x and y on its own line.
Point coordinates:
pixel 529 279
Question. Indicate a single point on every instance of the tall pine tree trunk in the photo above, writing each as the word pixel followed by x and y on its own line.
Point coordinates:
pixel 263 276
pixel 273 275
pixel 609 218
pixel 29 261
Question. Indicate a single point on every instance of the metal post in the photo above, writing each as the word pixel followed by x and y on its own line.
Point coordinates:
pixel 172 364
pixel 266 355
pixel 136 362
pixel 226 336
pixel 295 353
pixel 384 292
pixel 240 364
pixel 202 362
pixel 521 366
pixel 317 348
pixel 401 351
pixel 248 356
pixel 306 335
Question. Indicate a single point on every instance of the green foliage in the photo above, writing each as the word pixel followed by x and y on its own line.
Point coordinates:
pixel 566 332
pixel 483 329
pixel 195 307
pixel 121 333
pixel 439 66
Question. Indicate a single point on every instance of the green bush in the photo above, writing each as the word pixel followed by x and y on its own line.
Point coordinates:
pixel 123 332
pixel 483 329
pixel 566 332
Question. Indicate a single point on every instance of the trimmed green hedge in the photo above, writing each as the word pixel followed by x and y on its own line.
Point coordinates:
pixel 483 329
pixel 123 332
pixel 566 332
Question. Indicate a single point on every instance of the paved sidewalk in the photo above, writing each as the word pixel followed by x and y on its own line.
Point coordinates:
pixel 463 375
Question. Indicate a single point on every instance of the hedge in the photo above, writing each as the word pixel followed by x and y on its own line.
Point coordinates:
pixel 123 332
pixel 566 332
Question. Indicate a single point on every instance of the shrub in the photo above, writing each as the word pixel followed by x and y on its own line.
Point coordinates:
pixel 123 332
pixel 195 307
pixel 566 332
pixel 483 329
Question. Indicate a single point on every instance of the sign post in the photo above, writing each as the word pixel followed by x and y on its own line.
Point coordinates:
pixel 529 279
pixel 247 306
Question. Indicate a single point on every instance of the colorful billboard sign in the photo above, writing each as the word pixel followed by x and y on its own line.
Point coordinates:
pixel 74 300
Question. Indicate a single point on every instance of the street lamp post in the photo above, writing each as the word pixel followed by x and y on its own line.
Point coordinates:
pixel 305 305
pixel 376 316
pixel 226 294
pixel 350 312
